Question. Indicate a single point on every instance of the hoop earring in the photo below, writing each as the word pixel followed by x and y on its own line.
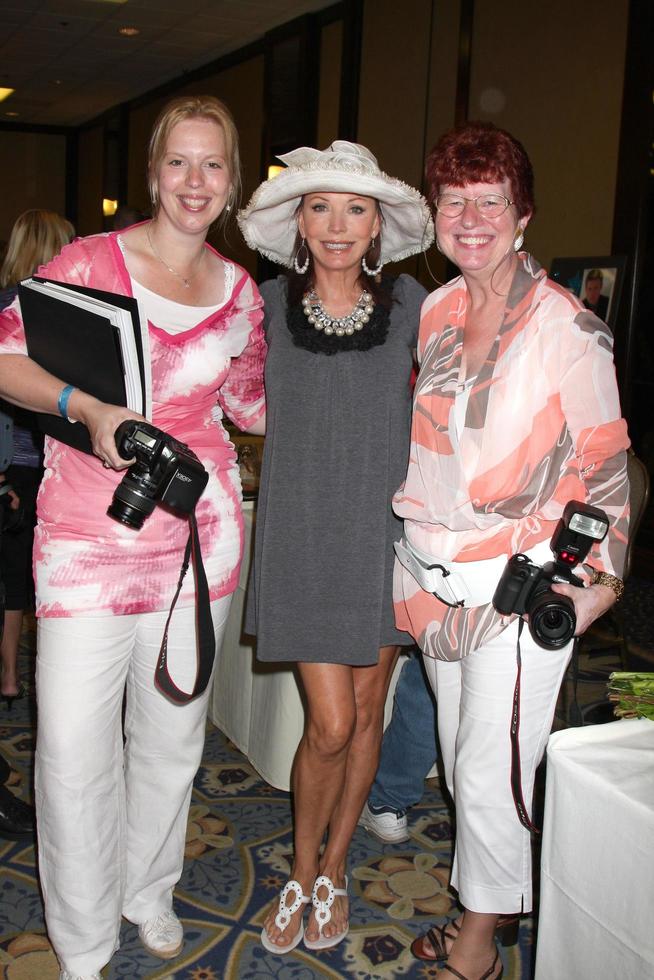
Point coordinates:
pixel 301 269
pixel 517 245
pixel 364 265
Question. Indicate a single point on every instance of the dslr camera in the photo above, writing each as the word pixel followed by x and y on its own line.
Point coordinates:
pixel 165 472
pixel 524 587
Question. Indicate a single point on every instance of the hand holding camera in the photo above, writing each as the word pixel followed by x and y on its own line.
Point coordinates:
pixel 527 588
pixel 165 472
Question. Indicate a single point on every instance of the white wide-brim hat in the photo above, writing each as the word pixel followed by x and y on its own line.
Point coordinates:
pixel 269 222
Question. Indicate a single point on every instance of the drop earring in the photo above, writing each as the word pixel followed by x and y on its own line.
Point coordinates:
pixel 301 269
pixel 364 265
pixel 517 244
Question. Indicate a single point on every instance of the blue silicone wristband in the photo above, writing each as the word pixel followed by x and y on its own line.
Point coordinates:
pixel 62 401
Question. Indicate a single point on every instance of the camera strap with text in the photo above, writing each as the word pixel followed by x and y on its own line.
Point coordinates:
pixel 206 640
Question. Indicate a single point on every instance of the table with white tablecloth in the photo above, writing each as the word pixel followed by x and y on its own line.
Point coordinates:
pixel 596 919
pixel 259 706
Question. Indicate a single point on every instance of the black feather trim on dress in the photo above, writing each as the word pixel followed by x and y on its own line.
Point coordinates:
pixel 305 334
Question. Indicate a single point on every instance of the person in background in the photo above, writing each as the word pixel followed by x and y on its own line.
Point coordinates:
pixel 400 779
pixel 16 816
pixel 516 413
pixel 36 237
pixel 594 299
pixel 341 343
pixel 113 801
pixel 126 216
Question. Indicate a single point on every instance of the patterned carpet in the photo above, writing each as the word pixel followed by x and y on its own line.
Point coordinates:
pixel 238 854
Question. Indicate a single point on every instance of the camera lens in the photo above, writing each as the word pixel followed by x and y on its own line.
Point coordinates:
pixel 552 620
pixel 129 505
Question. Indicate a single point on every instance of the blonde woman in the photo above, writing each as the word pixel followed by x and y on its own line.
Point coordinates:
pixel 342 340
pixel 37 236
pixel 112 817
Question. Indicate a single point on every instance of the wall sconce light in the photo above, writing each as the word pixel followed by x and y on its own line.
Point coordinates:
pixel 5 93
pixel 274 169
pixel 109 207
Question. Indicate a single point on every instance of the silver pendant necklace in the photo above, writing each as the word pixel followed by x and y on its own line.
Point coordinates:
pixel 187 280
pixel 316 314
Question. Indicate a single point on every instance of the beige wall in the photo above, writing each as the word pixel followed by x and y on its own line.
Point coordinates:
pixel 393 90
pixel 553 77
pixel 90 190
pixel 33 175
pixel 331 44
pixel 561 95
pixel 441 105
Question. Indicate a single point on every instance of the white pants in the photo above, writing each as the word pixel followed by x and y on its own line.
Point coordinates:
pixel 491 869
pixel 112 819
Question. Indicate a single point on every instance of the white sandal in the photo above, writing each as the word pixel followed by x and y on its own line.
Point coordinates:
pixel 283 918
pixel 324 914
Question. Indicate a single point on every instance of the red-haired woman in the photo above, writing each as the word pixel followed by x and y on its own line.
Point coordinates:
pixel 516 413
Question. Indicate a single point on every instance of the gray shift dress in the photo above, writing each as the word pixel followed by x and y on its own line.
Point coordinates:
pixel 336 450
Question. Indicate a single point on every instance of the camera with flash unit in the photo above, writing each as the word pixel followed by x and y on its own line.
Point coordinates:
pixel 524 587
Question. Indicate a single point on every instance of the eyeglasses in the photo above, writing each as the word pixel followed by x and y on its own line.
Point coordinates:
pixel 488 205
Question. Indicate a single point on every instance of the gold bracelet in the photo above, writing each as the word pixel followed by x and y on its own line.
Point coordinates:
pixel 610 581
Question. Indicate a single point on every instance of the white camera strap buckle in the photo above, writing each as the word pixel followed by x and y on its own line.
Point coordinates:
pixel 432 576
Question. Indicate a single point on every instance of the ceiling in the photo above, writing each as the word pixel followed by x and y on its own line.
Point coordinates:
pixel 68 63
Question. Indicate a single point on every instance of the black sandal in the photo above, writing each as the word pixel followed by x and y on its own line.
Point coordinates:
pixel 486 975
pixel 506 932
pixel 436 936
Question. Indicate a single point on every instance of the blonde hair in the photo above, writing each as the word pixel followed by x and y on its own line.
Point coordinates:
pixel 37 236
pixel 195 107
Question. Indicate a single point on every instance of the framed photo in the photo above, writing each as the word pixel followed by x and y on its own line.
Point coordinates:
pixel 596 280
pixel 249 452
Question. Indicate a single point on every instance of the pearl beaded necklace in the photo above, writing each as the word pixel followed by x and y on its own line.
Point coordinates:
pixel 328 324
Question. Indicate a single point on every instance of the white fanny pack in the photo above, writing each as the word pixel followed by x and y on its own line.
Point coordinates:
pixel 455 583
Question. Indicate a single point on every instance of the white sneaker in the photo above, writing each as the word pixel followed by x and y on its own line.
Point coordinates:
pixel 65 975
pixel 162 936
pixel 390 826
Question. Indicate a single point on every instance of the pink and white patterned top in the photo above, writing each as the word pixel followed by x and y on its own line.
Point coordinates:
pixel 542 427
pixel 86 563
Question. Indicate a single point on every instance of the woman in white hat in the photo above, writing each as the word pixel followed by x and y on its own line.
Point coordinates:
pixel 341 342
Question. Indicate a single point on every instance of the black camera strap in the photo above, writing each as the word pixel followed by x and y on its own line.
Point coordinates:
pixel 206 640
pixel 516 770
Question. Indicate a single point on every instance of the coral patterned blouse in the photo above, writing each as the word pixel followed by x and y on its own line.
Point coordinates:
pixel 86 563
pixel 541 426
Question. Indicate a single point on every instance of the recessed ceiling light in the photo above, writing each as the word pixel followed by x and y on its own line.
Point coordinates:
pixel 129 31
pixel 5 93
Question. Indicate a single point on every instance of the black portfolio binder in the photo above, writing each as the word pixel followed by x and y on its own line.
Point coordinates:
pixel 82 348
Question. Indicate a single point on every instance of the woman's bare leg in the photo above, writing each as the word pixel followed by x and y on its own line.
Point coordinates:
pixel 319 772
pixel 474 949
pixel 9 651
pixel 370 690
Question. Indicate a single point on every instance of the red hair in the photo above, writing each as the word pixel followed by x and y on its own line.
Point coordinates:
pixel 479 152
